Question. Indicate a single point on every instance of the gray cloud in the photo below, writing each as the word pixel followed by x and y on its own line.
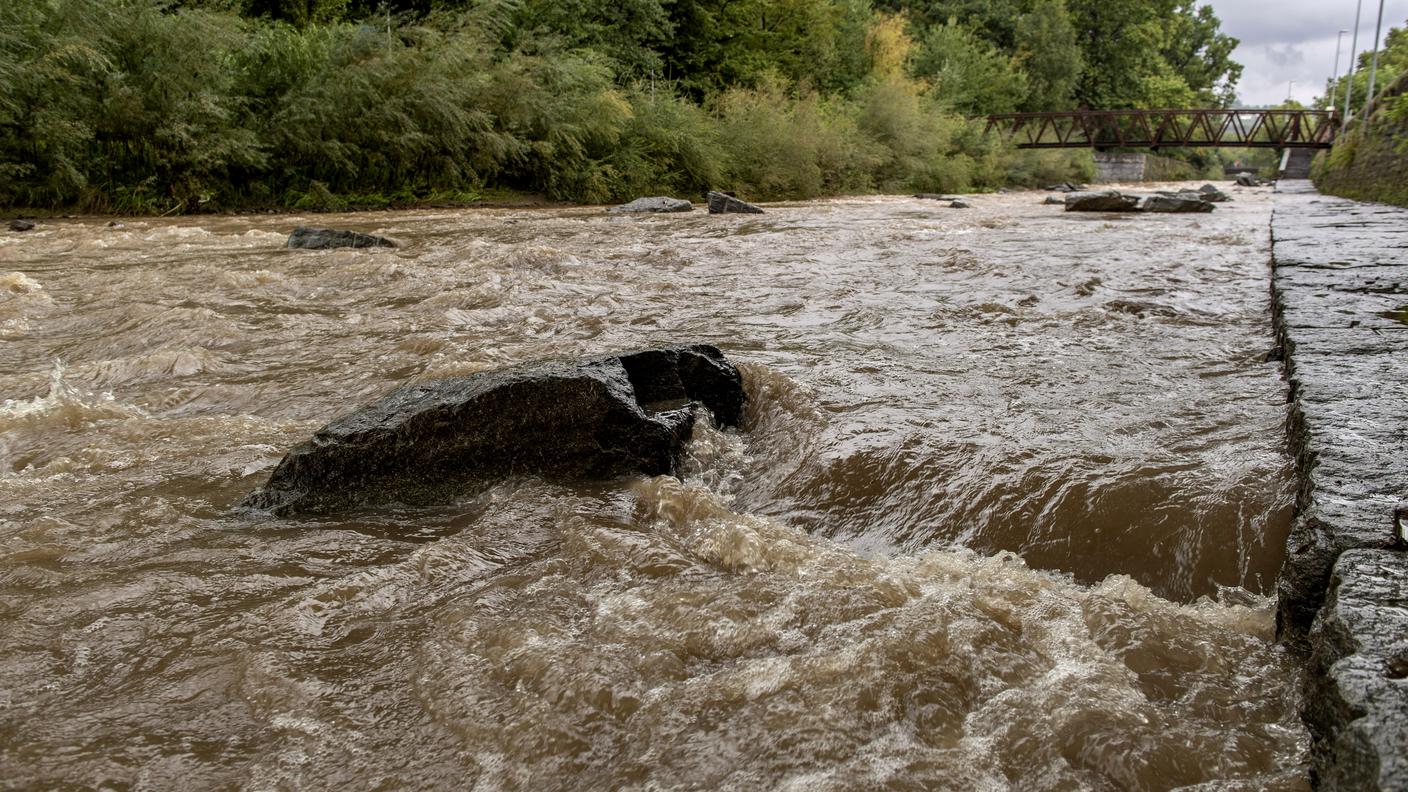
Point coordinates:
pixel 1293 41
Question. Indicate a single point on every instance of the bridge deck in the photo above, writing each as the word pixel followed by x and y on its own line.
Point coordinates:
pixel 1169 128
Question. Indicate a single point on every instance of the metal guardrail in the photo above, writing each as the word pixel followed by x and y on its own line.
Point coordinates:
pixel 1169 128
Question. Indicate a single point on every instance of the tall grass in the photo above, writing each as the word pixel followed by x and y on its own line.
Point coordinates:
pixel 144 106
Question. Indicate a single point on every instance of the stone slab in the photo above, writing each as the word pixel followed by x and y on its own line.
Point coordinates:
pixel 1358 686
pixel 1340 282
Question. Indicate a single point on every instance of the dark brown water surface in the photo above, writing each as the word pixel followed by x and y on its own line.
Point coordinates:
pixel 1011 490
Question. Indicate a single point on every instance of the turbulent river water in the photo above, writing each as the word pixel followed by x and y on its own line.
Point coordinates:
pixel 1008 500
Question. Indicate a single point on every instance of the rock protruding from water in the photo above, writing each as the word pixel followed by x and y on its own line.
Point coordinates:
pixel 306 238
pixel 433 442
pixel 1250 180
pixel 960 204
pixel 1174 204
pixel 935 197
pixel 654 205
pixel 1116 201
pixel 1066 187
pixel 1054 200
pixel 1211 193
pixel 723 203
pixel 21 225
pixel 1101 201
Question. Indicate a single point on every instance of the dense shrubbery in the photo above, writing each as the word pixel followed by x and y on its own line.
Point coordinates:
pixel 160 105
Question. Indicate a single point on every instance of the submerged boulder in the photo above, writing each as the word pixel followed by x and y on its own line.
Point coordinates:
pixel 659 203
pixel 1101 201
pixel 1174 204
pixel 430 442
pixel 306 238
pixel 723 203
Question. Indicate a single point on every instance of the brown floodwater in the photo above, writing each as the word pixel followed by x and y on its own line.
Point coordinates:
pixel 1004 512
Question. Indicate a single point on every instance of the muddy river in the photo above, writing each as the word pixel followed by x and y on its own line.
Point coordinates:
pixel 1004 512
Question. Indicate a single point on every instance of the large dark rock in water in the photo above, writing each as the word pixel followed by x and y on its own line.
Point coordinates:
pixel 659 203
pixel 1101 201
pixel 21 225
pixel 429 442
pixel 723 203
pixel 1174 204
pixel 1211 193
pixel 305 238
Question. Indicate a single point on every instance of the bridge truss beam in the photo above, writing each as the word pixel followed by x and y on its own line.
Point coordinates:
pixel 1169 128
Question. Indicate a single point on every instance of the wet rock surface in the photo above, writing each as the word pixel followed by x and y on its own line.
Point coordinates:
pixel 654 205
pixel 723 203
pixel 1174 204
pixel 1340 268
pixel 21 225
pixel 1116 201
pixel 1358 684
pixel 598 418
pixel 1210 192
pixel 307 238
pixel 1101 201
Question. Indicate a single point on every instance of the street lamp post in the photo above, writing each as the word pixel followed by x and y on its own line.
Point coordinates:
pixel 1335 80
pixel 1374 63
pixel 1353 51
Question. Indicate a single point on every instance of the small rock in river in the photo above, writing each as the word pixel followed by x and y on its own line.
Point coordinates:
pixel 1101 201
pixel 1210 193
pixel 722 203
pixel 21 225
pixel 305 238
pixel 657 204
pixel 1173 204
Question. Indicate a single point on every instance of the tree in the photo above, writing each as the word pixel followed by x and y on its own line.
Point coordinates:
pixel 969 74
pixel 1147 53
pixel 1047 50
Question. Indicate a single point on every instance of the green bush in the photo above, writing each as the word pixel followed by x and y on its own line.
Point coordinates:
pixel 153 106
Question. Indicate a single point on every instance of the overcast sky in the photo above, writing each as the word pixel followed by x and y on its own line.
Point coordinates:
pixel 1294 40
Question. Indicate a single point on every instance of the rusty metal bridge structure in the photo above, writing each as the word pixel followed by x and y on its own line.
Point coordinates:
pixel 1155 129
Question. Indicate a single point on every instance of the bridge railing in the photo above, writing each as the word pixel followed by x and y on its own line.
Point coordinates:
pixel 1168 128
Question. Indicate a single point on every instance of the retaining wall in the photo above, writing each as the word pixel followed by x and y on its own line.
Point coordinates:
pixel 1340 288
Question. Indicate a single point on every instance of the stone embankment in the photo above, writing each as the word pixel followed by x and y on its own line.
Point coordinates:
pixel 1340 285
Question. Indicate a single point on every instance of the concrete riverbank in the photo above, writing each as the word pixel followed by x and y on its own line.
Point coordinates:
pixel 1340 284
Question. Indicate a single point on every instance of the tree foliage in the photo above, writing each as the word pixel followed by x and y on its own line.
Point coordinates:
pixel 159 105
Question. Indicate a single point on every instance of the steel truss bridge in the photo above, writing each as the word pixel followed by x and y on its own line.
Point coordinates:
pixel 1154 129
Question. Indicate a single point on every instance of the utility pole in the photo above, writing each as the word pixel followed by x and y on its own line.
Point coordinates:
pixel 1374 63
pixel 1335 80
pixel 1353 51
